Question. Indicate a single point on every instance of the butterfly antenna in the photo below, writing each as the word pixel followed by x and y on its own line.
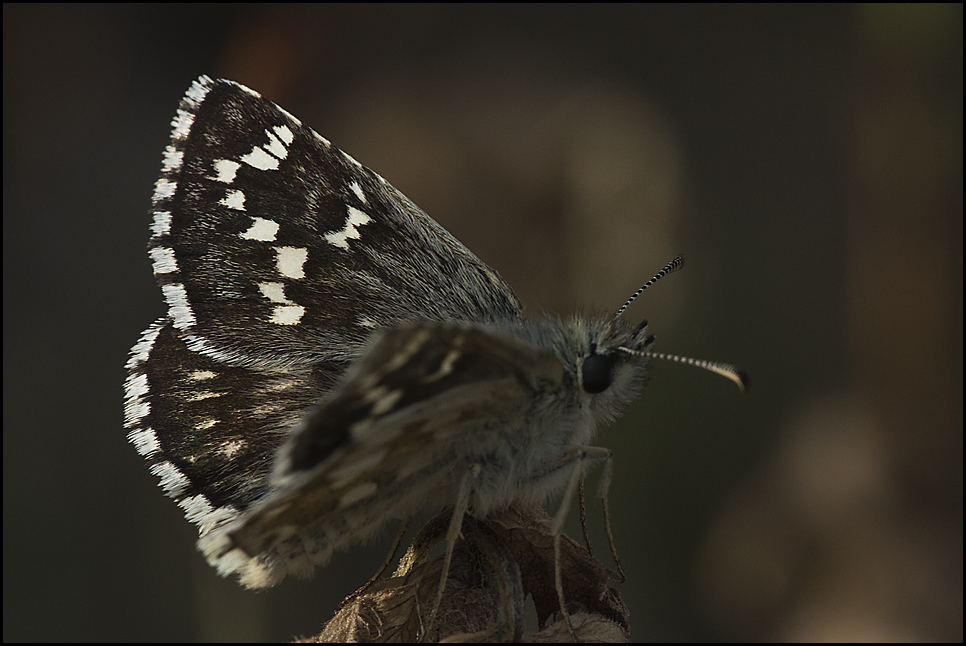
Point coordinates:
pixel 727 370
pixel 669 268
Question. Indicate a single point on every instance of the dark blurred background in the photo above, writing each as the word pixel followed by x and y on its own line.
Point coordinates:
pixel 806 159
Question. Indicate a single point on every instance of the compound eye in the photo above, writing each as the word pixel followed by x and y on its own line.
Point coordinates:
pixel 597 373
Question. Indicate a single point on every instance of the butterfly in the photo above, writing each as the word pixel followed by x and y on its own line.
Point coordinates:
pixel 333 360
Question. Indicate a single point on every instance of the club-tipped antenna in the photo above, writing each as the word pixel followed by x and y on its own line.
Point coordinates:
pixel 669 268
pixel 726 370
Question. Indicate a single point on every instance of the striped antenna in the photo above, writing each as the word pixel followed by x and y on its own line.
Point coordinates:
pixel 669 268
pixel 727 370
pixel 724 369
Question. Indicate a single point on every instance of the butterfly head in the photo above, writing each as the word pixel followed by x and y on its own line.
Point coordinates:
pixel 612 364
pixel 614 359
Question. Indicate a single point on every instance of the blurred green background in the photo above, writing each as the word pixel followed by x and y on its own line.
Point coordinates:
pixel 806 159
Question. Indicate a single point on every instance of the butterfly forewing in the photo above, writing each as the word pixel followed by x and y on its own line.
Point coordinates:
pixel 258 245
pixel 426 401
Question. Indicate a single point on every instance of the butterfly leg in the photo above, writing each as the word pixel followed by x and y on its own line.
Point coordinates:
pixel 580 458
pixel 385 564
pixel 603 488
pixel 452 534
pixel 583 515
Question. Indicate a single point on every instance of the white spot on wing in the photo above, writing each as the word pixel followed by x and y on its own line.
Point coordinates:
pixel 163 260
pixel 234 200
pixel 230 448
pixel 356 219
pixel 260 159
pixel 202 394
pixel 181 124
pixel 339 478
pixel 355 188
pixel 196 93
pixel 173 481
pixel 172 159
pixel 141 349
pixel 196 508
pixel 161 223
pixel 145 442
pixel 416 342
pixel 225 170
pixel 267 157
pixel 261 229
pixel 284 133
pixel 356 494
pixel 447 364
pixel 136 407
pixel 178 307
pixel 287 312
pixel 275 146
pixel 199 344
pixel 383 400
pixel 274 292
pixel 367 432
pixel 163 189
pixel 135 410
pixel 218 517
pixel 291 261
